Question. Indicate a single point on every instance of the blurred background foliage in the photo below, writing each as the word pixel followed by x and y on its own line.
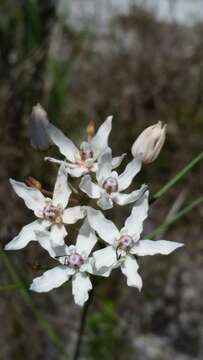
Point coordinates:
pixel 141 68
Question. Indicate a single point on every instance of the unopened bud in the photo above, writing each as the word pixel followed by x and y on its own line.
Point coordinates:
pixel 37 127
pixel 150 142
pixel 90 130
pixel 32 182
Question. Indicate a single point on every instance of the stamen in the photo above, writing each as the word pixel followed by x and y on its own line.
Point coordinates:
pixel 53 213
pixel 86 151
pixel 110 185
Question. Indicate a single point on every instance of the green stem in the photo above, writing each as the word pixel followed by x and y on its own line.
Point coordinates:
pixel 178 177
pixel 9 287
pixel 177 217
pixel 83 321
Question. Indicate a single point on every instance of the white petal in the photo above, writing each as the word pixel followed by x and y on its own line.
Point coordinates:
pixel 81 285
pixel 32 197
pixel 73 214
pixel 150 247
pixel 105 259
pixel 58 233
pixel 51 279
pixel 129 268
pixel 44 239
pixel 124 199
pixel 89 188
pixel 104 227
pixel 104 166
pixel 100 140
pixel 86 239
pixel 55 161
pixel 65 145
pixel 89 266
pixel 26 235
pixel 134 223
pixel 125 179
pixel 62 190
pixel 76 171
pixel 105 202
pixel 116 161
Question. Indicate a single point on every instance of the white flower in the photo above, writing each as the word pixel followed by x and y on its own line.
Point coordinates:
pixel 110 184
pixel 124 244
pixel 51 213
pixel 82 161
pixel 74 262
pixel 150 142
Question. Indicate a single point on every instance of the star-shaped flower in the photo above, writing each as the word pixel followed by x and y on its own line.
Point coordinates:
pixel 124 244
pixel 110 184
pixel 83 160
pixel 74 261
pixel 51 213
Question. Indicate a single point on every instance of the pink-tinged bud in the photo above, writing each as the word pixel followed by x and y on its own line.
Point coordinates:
pixel 32 182
pixel 150 142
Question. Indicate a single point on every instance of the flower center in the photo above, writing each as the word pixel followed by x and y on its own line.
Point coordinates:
pixel 125 242
pixel 110 185
pixel 74 260
pixel 53 213
pixel 86 151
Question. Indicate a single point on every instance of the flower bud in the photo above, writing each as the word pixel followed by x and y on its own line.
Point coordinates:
pixel 150 142
pixel 32 182
pixel 90 130
pixel 38 125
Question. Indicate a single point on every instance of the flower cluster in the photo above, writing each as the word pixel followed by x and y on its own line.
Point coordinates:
pixel 100 246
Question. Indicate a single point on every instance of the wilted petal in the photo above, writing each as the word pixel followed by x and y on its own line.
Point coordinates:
pixel 134 223
pixel 86 239
pixel 51 279
pixel 62 190
pixel 65 145
pixel 104 166
pixel 104 227
pixel 124 199
pixel 105 202
pixel 129 268
pixel 150 247
pixel 81 285
pixel 73 214
pixel 105 259
pixel 26 235
pixel 89 188
pixel 116 161
pixel 32 197
pixel 100 140
pixel 125 179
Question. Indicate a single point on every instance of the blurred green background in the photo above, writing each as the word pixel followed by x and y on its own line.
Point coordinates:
pixel 85 60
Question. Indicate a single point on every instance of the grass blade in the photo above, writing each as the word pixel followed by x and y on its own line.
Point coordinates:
pixel 178 176
pixel 177 217
pixel 29 302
